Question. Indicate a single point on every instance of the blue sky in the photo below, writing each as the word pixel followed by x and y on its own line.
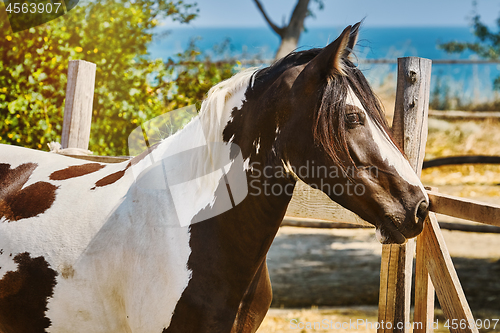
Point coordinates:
pixel 243 13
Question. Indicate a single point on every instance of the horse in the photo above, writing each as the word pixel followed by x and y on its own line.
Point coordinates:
pixel 96 247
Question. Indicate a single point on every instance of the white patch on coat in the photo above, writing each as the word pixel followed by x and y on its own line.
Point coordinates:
pixel 246 164
pixel 387 148
pixel 289 169
pixel 256 144
pixel 201 169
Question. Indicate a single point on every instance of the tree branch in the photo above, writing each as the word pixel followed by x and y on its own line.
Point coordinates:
pixel 298 16
pixel 278 30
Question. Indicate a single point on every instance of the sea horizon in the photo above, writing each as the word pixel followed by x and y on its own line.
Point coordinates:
pixel 375 42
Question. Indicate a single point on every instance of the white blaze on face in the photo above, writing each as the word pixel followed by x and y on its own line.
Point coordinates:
pixel 388 150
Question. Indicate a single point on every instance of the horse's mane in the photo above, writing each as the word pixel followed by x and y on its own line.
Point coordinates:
pixel 213 106
pixel 212 118
pixel 329 120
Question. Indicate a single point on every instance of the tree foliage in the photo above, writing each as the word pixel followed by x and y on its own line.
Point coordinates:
pixel 487 46
pixel 130 88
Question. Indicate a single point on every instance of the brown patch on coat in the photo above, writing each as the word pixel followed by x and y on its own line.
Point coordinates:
pixel 110 179
pixel 67 271
pixel 17 203
pixel 24 294
pixel 76 171
pixel 114 177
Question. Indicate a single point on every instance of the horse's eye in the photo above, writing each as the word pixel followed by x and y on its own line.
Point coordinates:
pixel 354 118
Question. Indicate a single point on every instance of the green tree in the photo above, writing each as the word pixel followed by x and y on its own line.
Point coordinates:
pixel 487 46
pixel 114 35
pixel 188 78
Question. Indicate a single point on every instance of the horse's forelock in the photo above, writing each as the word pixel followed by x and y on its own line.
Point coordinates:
pixel 329 120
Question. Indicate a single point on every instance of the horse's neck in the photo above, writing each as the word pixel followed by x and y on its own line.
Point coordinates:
pixel 194 161
pixel 197 171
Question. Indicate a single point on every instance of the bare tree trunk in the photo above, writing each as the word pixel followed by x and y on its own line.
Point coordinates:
pixel 289 34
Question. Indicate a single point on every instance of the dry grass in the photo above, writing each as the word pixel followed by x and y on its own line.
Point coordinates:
pixel 454 137
pixel 461 137
pixel 324 320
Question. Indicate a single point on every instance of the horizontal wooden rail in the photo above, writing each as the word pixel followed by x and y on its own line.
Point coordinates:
pixel 301 222
pixel 464 208
pixel 310 203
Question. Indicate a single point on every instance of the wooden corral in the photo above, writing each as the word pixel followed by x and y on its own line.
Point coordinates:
pixel 434 273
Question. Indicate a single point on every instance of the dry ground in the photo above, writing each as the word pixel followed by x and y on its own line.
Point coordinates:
pixel 353 319
pixel 338 270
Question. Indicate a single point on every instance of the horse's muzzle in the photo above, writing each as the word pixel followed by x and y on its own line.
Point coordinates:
pixel 392 232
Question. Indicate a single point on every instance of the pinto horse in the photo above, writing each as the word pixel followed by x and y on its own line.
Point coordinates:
pixel 95 247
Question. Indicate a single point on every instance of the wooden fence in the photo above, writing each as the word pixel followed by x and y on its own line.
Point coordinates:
pixel 434 273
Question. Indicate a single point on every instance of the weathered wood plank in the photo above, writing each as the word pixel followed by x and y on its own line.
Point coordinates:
pixel 289 221
pixel 395 286
pixel 445 279
pixel 412 107
pixel 467 209
pixel 311 203
pixel 424 289
pixel 78 104
pixel 410 132
pixel 302 222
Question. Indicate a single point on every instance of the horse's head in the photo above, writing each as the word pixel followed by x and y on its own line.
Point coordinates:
pixel 333 136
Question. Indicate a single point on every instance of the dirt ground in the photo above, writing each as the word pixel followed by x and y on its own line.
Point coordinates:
pixel 333 275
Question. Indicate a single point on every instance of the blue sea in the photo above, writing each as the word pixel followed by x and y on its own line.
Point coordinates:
pixel 469 82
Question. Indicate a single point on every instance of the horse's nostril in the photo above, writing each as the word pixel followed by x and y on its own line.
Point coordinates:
pixel 422 210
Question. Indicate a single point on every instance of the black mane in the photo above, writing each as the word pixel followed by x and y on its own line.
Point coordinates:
pixel 293 59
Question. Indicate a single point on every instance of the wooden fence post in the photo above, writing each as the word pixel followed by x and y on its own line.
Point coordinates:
pixel 78 105
pixel 410 132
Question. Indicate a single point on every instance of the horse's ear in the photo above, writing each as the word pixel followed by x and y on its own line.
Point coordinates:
pixel 329 61
pixel 353 39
